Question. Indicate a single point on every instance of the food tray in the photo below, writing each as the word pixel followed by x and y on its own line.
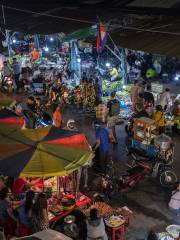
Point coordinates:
pixel 114 221
pixel 173 230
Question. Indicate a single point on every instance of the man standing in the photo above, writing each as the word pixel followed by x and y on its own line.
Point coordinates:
pixel 6 69
pixel 35 55
pixel 101 112
pixel 17 71
pixel 165 99
pixel 135 94
pixel 113 114
pixel 148 98
pixel 102 145
pixel 98 90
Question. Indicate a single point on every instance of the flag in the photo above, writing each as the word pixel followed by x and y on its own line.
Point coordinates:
pixel 101 37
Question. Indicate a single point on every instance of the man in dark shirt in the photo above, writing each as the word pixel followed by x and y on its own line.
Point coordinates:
pixel 148 96
pixel 102 145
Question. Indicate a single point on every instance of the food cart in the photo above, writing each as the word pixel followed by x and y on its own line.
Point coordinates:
pixel 149 143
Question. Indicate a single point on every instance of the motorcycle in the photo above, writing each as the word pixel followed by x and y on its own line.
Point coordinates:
pixel 138 170
pixel 37 121
pixel 8 84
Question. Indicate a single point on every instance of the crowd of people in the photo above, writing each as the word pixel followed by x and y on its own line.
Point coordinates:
pixel 32 215
pixel 144 104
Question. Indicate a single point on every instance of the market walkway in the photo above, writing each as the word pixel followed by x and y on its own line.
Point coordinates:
pixel 149 201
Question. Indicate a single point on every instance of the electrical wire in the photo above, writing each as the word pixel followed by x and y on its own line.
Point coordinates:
pixel 48 15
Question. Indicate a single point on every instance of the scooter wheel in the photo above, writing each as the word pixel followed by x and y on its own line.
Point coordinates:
pixel 167 178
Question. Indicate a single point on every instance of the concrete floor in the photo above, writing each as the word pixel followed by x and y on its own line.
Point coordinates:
pixel 149 201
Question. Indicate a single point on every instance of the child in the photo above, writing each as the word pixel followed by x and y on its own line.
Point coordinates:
pixel 159 118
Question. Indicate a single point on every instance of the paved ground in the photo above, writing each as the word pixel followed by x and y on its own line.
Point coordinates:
pixel 149 201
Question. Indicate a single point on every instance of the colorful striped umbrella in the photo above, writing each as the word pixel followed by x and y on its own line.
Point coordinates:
pixel 41 152
pixel 10 118
pixel 6 101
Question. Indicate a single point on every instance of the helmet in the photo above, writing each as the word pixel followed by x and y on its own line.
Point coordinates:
pixel 69 122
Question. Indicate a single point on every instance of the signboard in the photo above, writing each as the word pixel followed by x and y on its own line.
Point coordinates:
pixel 157 88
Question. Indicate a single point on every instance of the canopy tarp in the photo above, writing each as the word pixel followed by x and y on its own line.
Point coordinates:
pixel 9 117
pixel 48 234
pixel 41 152
pixel 6 101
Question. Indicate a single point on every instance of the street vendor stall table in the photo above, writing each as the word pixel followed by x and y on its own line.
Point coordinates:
pixel 79 204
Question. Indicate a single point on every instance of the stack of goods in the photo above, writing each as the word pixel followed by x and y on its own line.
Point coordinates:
pixel 51 183
pixel 126 113
pixel 107 211
pixel 104 209
pixel 54 204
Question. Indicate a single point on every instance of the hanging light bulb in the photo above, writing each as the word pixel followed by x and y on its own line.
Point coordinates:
pixel 108 64
pixel 46 49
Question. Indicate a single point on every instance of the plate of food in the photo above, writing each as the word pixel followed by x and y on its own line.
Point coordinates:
pixel 56 209
pixel 164 236
pixel 173 230
pixel 114 221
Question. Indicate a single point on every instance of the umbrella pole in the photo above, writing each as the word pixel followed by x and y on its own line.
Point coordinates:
pixel 78 176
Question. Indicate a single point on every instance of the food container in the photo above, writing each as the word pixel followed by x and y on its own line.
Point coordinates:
pixel 114 221
pixel 163 142
pixel 68 203
pixel 69 219
pixel 174 231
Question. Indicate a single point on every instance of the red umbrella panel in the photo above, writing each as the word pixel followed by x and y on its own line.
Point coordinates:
pixel 9 117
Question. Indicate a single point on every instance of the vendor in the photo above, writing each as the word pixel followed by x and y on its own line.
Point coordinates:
pixel 96 226
pixel 24 215
pixel 7 219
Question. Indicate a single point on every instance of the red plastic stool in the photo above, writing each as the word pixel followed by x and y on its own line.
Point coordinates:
pixel 121 231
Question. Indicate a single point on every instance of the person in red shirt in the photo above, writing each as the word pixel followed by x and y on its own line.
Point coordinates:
pixel 19 185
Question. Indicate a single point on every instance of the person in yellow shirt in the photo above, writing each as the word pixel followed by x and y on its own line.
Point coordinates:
pixel 159 118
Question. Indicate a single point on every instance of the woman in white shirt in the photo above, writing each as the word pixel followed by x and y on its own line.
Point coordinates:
pixel 174 203
pixel 96 226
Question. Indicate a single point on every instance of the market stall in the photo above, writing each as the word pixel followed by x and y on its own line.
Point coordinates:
pixel 40 154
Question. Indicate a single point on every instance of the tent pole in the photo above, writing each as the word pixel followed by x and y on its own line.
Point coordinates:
pixel 6 31
pixel 113 52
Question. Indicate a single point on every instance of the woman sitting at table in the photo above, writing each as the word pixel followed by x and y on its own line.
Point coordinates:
pixel 96 226
pixel 7 219
pixel 24 212
pixel 39 216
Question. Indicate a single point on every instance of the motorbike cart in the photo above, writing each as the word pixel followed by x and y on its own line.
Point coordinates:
pixel 146 144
